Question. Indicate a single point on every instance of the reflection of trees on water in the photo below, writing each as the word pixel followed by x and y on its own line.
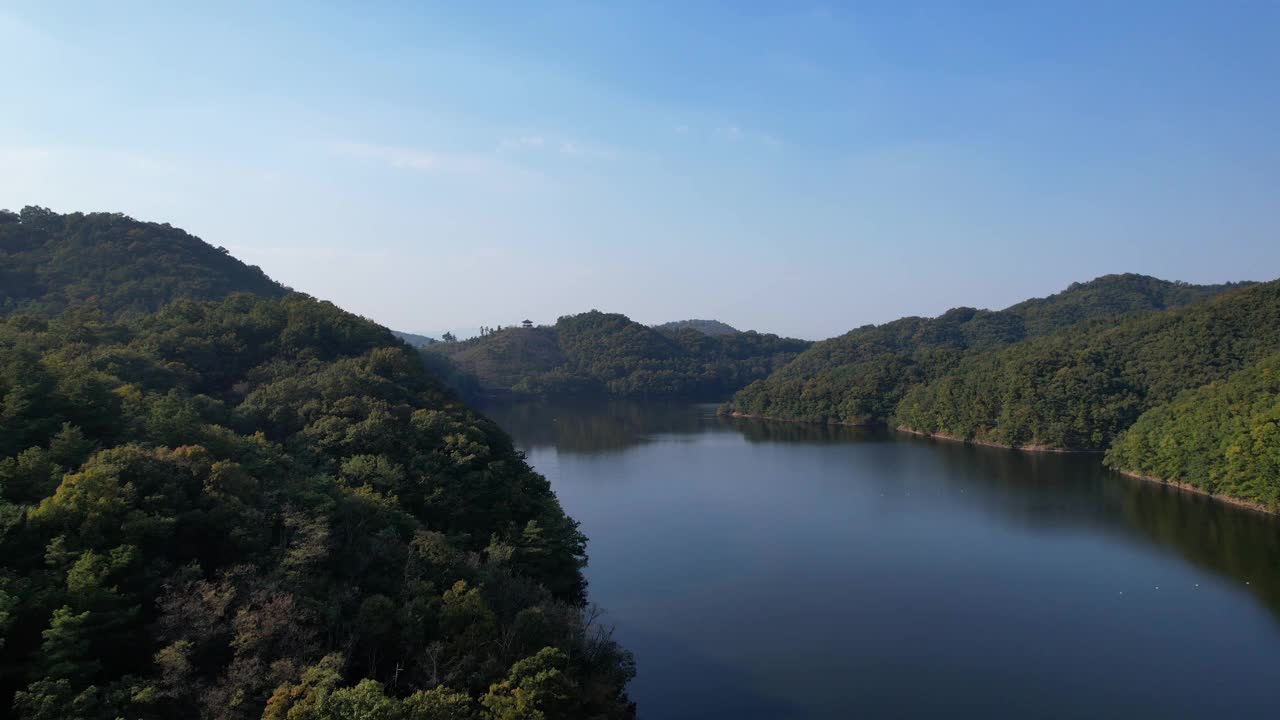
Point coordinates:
pixel 1041 492
pixel 1045 491
pixel 766 431
pixel 597 427
pixel 1239 543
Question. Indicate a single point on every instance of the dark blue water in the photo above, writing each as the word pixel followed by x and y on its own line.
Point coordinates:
pixel 786 571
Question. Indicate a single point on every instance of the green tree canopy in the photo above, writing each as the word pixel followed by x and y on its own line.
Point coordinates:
pixel 200 503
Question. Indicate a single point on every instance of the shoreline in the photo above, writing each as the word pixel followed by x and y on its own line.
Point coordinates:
pixel 986 443
pixel 1188 487
pixel 936 436
pixel 745 416
pixel 1176 484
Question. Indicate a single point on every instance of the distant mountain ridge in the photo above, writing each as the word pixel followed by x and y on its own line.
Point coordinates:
pixel 595 354
pixel 706 327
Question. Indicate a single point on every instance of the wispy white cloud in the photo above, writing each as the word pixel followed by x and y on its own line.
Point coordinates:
pixel 410 158
pixel 488 166
pixel 556 143
pixel 738 134
pixel 725 132
pixel 512 160
pixel 521 142
pixel 732 133
pixel 576 149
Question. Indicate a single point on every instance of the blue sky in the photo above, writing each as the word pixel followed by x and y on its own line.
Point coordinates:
pixel 802 169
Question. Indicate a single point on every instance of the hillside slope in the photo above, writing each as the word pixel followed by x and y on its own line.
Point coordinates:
pixel 505 358
pixel 860 377
pixel 112 263
pixel 1222 438
pixel 262 507
pixel 1079 389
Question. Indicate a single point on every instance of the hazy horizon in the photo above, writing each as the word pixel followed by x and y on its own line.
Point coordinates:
pixel 796 171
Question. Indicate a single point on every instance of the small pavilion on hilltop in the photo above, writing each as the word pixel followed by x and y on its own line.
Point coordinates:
pixel 528 324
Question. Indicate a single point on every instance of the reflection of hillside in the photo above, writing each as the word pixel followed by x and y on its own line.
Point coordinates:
pixel 1239 543
pixel 1037 492
pixel 766 431
pixel 1050 491
pixel 595 427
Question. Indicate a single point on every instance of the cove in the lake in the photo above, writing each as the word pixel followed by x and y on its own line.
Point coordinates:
pixel 762 570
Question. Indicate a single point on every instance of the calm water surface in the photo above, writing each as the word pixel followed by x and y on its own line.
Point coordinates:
pixel 786 571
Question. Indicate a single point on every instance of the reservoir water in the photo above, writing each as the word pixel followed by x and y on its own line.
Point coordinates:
pixel 762 570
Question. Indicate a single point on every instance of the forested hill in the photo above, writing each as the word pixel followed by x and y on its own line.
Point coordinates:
pixel 1223 438
pixel 706 327
pixel 1110 296
pixel 1187 395
pixel 860 377
pixel 1079 389
pixel 264 507
pixel 112 263
pixel 595 353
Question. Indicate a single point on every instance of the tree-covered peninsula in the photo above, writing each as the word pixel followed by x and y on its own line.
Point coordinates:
pixel 1177 381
